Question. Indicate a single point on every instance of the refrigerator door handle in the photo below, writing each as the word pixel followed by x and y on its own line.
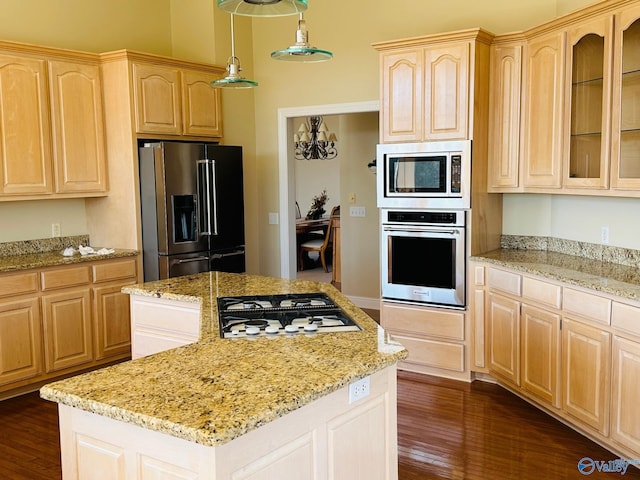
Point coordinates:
pixel 213 194
pixel 204 199
pixel 189 260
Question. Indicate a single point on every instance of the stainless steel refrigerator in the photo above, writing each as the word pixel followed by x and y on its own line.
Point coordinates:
pixel 191 197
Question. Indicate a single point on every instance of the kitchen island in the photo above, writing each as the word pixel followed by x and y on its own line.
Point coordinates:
pixel 268 407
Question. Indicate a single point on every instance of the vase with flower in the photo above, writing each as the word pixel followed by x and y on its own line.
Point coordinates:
pixel 316 210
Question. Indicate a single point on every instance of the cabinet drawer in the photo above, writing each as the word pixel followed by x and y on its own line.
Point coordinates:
pixel 587 305
pixel 117 270
pixel 505 281
pixel 626 317
pixel 421 321
pixel 542 292
pixel 19 284
pixel 431 353
pixel 65 277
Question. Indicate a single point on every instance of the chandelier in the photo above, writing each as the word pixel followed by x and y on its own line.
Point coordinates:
pixel 314 141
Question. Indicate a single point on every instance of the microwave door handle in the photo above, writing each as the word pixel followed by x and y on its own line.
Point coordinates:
pixel 204 198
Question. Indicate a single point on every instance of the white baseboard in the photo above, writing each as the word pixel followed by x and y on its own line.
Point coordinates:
pixel 365 302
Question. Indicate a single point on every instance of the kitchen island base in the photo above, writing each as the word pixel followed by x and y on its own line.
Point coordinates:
pixel 329 438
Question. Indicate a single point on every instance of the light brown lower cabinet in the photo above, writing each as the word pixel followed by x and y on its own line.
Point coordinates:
pixel 59 320
pixel 540 353
pixel 20 339
pixel 586 353
pixel 434 337
pixel 573 352
pixel 66 321
pixel 625 394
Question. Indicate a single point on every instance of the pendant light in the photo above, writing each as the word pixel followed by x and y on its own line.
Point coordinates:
pixel 263 8
pixel 233 78
pixel 301 51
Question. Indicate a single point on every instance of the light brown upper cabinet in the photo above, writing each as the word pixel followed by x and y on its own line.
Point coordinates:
pixel 588 90
pixel 78 127
pixel 174 101
pixel 625 151
pixel 427 85
pixel 25 131
pixel 543 110
pixel 505 77
pixel 574 125
pixel 51 124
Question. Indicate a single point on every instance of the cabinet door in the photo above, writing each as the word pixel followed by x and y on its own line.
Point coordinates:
pixel 201 105
pixel 78 127
pixel 504 117
pixel 625 164
pixel 402 95
pixel 25 131
pixel 157 99
pixel 540 346
pixel 543 108
pixel 67 329
pixel 586 355
pixel 20 338
pixel 112 321
pixel 503 317
pixel 446 111
pixel 625 421
pixel 588 92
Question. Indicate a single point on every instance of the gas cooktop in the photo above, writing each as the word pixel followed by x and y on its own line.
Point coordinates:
pixel 288 314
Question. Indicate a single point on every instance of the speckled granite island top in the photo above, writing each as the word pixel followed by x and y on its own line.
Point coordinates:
pixel 612 278
pixel 215 390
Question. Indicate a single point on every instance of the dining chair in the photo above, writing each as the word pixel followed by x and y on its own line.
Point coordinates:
pixel 320 245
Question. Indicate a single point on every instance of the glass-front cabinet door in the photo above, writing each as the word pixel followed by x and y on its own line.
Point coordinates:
pixel 586 163
pixel 625 170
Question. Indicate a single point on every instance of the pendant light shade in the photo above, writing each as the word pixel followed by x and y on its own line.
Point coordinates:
pixel 233 78
pixel 301 51
pixel 263 8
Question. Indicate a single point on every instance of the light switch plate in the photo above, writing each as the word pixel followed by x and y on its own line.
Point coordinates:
pixel 273 218
pixel 357 211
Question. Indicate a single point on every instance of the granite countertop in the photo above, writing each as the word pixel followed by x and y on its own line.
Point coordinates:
pixel 26 261
pixel 47 252
pixel 612 278
pixel 215 390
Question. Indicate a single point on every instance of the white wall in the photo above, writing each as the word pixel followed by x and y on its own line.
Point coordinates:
pixel 32 220
pixel 571 217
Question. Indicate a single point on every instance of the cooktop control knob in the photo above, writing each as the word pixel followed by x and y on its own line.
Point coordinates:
pixel 311 327
pixel 291 328
pixel 271 329
pixel 252 330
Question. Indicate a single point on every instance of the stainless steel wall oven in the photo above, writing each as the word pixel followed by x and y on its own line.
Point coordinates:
pixel 423 257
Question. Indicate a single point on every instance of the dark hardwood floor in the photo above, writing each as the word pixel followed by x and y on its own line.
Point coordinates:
pixel 446 429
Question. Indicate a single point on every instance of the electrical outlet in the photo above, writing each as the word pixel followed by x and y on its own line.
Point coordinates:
pixel 273 218
pixel 604 234
pixel 357 211
pixel 55 229
pixel 360 389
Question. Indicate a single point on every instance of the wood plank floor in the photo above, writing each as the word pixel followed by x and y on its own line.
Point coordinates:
pixel 446 429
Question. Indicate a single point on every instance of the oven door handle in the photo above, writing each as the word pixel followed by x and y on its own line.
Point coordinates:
pixel 420 230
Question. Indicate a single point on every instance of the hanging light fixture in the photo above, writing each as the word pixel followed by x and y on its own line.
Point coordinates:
pixel 263 8
pixel 314 141
pixel 301 51
pixel 233 78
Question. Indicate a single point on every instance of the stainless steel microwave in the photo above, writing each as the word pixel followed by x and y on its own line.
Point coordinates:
pixel 424 175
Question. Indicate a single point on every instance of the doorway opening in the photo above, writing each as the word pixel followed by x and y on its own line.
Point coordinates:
pixel 286 129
